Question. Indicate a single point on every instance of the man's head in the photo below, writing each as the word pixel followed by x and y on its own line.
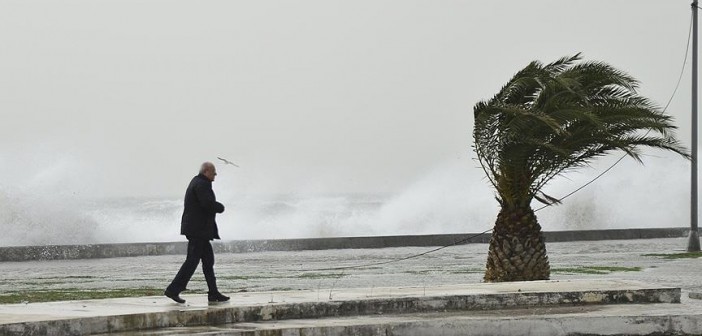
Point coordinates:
pixel 208 169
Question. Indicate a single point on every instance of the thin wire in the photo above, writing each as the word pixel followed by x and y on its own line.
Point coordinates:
pixel 682 72
pixel 401 259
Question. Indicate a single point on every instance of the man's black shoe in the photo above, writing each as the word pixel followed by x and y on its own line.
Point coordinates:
pixel 174 297
pixel 217 297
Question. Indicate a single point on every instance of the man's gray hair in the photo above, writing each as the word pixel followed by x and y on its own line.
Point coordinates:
pixel 205 166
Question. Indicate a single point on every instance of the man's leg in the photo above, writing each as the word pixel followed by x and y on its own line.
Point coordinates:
pixel 213 295
pixel 208 267
pixel 195 252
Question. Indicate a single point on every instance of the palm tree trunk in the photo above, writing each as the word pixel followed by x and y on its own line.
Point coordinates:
pixel 517 249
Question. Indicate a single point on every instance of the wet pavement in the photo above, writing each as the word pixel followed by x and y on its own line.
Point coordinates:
pixel 306 270
pixel 272 276
pixel 252 312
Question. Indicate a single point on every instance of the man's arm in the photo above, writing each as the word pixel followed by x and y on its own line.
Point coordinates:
pixel 206 198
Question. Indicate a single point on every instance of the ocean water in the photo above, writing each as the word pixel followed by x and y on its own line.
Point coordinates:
pixel 453 199
pixel 36 221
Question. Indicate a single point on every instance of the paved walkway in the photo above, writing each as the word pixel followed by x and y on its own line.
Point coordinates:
pixel 271 271
pixel 264 275
pixel 117 315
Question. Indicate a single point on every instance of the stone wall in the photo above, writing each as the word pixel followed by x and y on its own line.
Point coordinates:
pixel 59 252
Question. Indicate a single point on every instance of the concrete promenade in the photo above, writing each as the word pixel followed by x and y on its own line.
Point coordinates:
pixel 143 314
pixel 262 279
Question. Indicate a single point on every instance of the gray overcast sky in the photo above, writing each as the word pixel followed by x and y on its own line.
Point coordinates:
pixel 121 97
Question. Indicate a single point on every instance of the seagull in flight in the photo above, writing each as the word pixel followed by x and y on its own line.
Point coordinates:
pixel 227 162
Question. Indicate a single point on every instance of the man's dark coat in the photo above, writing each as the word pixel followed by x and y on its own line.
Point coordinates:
pixel 200 209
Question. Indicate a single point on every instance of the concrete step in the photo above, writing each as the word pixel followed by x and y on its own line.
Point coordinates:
pixel 118 315
pixel 634 319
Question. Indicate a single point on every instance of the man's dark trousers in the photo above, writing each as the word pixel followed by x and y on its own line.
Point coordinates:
pixel 198 249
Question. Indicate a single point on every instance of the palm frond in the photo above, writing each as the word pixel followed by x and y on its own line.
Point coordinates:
pixel 552 118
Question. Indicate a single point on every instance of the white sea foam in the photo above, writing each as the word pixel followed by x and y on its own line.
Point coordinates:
pixel 453 198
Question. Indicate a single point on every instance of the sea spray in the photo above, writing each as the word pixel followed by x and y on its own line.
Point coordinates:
pixel 452 198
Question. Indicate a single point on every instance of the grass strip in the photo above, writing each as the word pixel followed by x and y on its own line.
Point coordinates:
pixel 594 269
pixel 75 294
pixel 685 255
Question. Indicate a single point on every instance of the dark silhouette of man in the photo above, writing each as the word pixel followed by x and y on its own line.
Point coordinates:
pixel 199 226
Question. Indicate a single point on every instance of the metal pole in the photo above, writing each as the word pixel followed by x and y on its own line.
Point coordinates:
pixel 693 244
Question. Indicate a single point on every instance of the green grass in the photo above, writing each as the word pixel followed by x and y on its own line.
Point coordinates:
pixel 422 272
pixel 34 283
pixel 75 294
pixel 594 269
pixel 55 280
pixel 463 257
pixel 310 275
pixel 320 275
pixel 445 271
pixel 685 255
pixel 242 277
pixel 467 271
pixel 68 277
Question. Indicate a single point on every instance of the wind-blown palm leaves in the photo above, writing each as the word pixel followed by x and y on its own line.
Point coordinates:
pixel 547 120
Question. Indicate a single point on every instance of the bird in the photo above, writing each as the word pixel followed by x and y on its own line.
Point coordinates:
pixel 227 162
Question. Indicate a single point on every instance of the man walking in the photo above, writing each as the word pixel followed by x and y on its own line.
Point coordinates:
pixel 199 226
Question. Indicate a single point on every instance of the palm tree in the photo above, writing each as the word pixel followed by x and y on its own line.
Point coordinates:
pixel 547 120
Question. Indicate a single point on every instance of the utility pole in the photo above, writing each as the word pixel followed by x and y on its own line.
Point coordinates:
pixel 693 243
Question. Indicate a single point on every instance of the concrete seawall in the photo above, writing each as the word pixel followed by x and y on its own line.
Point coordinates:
pixel 62 252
